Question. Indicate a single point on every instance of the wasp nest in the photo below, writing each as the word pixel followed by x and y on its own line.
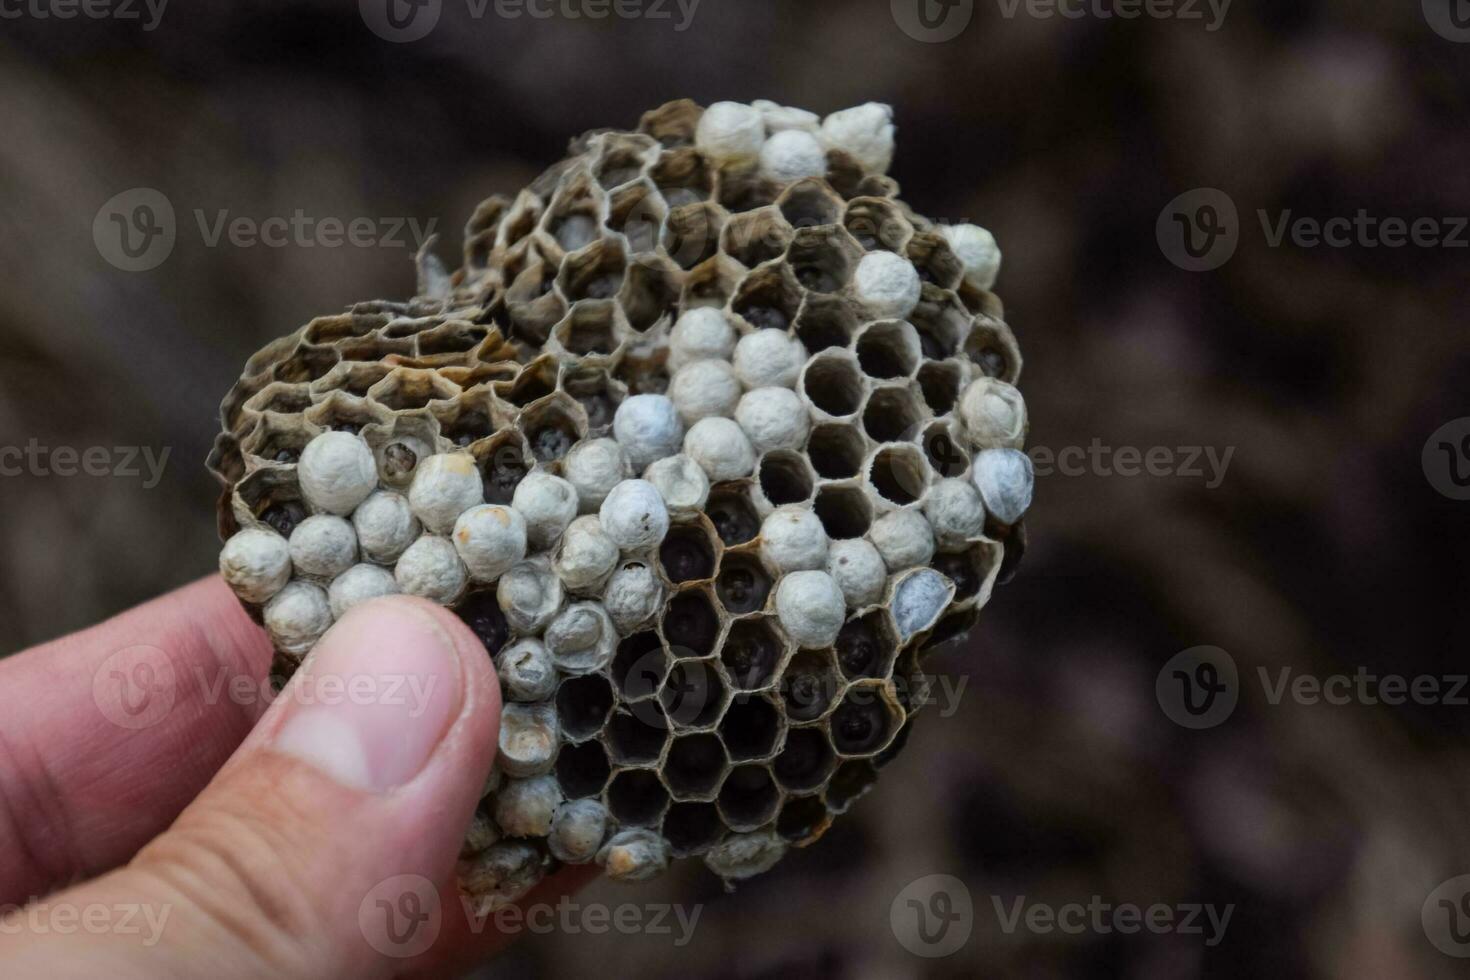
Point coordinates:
pixel 708 439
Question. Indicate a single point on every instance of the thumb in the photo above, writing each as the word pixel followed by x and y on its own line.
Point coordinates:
pixel 360 781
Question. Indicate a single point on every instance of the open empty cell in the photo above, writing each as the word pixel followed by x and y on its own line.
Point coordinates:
pixel 876 224
pixel 825 321
pixel 692 233
pixel 751 728
pixel 749 798
pixel 691 624
pixel 694 695
pixel 582 705
pixel 809 685
pixel 582 770
pixel 637 736
pixel 650 291
pixel 768 298
pixel 743 584
pixel 640 666
pixel 866 646
pixel 688 553
pixel 481 612
pixel 802 820
pixel 836 450
pixel 889 349
pixel 806 760
pixel 682 177
pixel 691 828
pixel 757 237
pixel 751 653
pixel 899 474
pixel 637 798
pixel 590 328
pixel 892 415
pixel 733 515
pixel 823 258
pixel 807 204
pixel 833 383
pixel 864 721
pixel 695 766
pixel 785 477
pixel 844 512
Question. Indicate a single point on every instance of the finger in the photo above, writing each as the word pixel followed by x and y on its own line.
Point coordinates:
pixel 93 763
pixel 365 771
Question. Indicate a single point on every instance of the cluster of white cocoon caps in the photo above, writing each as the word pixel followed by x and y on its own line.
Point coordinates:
pixel 570 555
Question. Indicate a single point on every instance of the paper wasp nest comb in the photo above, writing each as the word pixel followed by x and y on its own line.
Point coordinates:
pixel 708 440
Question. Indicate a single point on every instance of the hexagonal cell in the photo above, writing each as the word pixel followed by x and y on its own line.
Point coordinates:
pixel 850 782
pixel 582 770
pixel 894 747
pixel 689 552
pixel 823 258
pixel 941 382
pixel 971 568
pixel 833 383
pixel 692 828
pixel 503 461
pixel 934 260
pixel 590 328
pixel 532 305
pixel 866 719
pixel 407 388
pixel 583 704
pixel 596 392
pixel 785 477
pixel 888 349
pixel 992 346
pixel 637 798
pixel 356 378
pixel 945 456
pixel 695 766
pixel 743 585
pixel 752 728
pixel 809 684
pixel 803 821
pixel 271 498
pixel 893 414
pixel 481 612
pixel 711 283
pixel 690 624
pixel 553 427
pixel 573 217
pixel 756 237
pixel 768 298
pixel 899 474
pixel 836 450
pixel 374 349
pixel 749 798
pixel 467 419
pixel 694 696
pixel 692 233
pixel 877 223
pixel 672 123
pixel 682 177
pixel 733 515
pixel 341 326
pixel 867 646
pixel 637 736
pixel 825 321
pixel 643 371
pixel 911 684
pixel 650 291
pixel 942 324
pixel 454 337
pixel 845 511
pixel 536 381
pixel 279 438
pixel 751 653
pixel 640 666
pixel 805 761
pixel 951 628
pixel 595 272
pixel 807 204
pixel 306 365
pixel 623 158
pixel 746 192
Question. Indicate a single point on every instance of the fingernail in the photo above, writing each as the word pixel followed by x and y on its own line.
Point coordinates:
pixel 375 698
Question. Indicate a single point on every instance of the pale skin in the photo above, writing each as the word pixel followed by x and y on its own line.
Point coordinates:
pixel 230 837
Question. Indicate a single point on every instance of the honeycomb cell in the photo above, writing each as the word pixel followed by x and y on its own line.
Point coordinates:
pixel 823 260
pixel 481 612
pixel 596 272
pixel 583 704
pixel 899 474
pixel 945 456
pixel 589 328
pixel 640 666
pixel 682 177
pixel 935 260
pixel 711 283
pixel 877 224
pixel 746 192
pixel 672 123
pixel 825 321
pixel 751 653
pixel 693 694
pixel 802 821
pixel 282 399
pixel 888 349
pixel 467 419
pixel 894 747
pixel 808 204
pixel 749 798
pixel 893 414
pixel 597 393
pixel 533 306
pixel 844 511
pixel 992 347
pixel 850 782
pixel 867 646
pixel 582 770
pixel 941 383
pixel 809 685
pixel 271 498
pixel 637 736
pixel 833 383
pixel 971 569
pixel 751 729
pixel 742 585
pixel 836 450
pixel 734 517
pixel 650 292
pixel 573 216
pixel 623 158
pixel 689 552
pixel 637 798
pixel 806 760
pixel 942 325
pixel 695 766
pixel 692 233
pixel 692 828
pixel 455 337
pixel 308 364
pixel 341 412
pixel 690 624
pixel 954 627
pixel 785 478
pixel 756 237
pixel 410 388
pixel 865 720
pixel 643 372
pixel 503 461
pixel 278 439
pixel 535 382
pixel 357 378
pixel 768 298
pixel 553 427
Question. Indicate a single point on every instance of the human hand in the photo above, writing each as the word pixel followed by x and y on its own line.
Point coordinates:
pixel 236 834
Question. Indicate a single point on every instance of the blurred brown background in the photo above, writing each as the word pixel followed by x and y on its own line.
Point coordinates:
pixel 1324 548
